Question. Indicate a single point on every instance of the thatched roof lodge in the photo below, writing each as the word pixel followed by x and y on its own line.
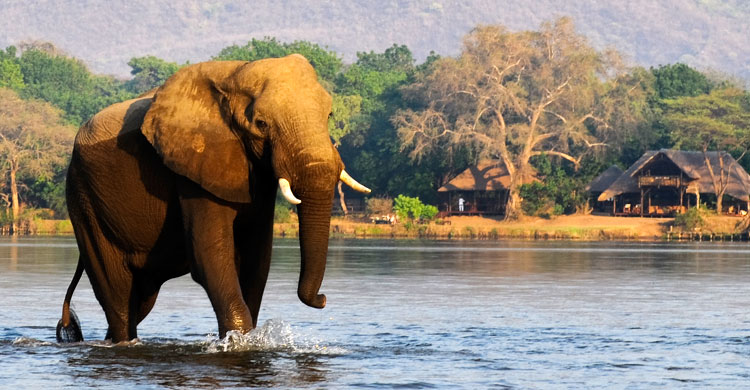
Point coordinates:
pixel 600 184
pixel 484 187
pixel 604 180
pixel 666 181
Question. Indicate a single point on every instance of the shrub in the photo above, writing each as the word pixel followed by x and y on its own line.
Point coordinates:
pixel 428 212
pixel 536 197
pixel 63 227
pixel 691 219
pixel 412 209
pixel 561 191
pixel 282 213
pixel 379 206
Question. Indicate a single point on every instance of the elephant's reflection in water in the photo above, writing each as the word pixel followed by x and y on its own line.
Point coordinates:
pixel 187 366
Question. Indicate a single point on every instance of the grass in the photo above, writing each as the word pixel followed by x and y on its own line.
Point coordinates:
pixel 484 230
pixel 576 227
pixel 592 228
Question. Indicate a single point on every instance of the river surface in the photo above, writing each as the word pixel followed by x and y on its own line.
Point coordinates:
pixel 408 314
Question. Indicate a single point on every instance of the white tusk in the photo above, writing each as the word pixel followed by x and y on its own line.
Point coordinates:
pixel 348 180
pixel 286 190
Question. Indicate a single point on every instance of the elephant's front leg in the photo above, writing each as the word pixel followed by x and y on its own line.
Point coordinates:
pixel 254 240
pixel 209 227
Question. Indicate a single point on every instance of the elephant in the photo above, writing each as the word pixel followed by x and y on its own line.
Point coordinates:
pixel 184 180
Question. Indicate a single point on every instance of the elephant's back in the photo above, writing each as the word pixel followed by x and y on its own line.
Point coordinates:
pixel 116 180
pixel 113 121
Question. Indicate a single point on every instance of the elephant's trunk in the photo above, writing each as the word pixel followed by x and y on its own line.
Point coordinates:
pixel 314 223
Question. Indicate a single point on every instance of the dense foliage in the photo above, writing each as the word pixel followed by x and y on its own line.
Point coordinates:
pixel 412 209
pixel 34 150
pixel 554 109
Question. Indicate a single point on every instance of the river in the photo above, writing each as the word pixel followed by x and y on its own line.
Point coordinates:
pixel 408 314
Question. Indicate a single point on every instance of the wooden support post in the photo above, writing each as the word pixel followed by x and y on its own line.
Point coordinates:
pixel 682 195
pixel 641 202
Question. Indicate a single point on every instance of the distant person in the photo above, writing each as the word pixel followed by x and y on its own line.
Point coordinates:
pixel 461 202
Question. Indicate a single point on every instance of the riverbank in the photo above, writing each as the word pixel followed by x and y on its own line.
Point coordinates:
pixel 567 227
pixel 41 227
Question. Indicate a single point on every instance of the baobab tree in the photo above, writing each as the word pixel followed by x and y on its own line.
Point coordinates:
pixel 516 95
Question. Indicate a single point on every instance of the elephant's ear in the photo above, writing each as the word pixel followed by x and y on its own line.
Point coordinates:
pixel 189 127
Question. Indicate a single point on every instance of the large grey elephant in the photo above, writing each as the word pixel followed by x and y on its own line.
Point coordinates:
pixel 185 180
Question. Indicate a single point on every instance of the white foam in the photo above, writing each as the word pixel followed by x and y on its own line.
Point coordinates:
pixel 274 335
pixel 29 342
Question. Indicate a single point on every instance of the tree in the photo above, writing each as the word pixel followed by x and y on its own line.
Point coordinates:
pixel 33 142
pixel 720 121
pixel 149 72
pixel 394 58
pixel 10 75
pixel 10 72
pixel 671 81
pixel 372 147
pixel 326 62
pixel 514 96
pixel 67 83
pixel 343 110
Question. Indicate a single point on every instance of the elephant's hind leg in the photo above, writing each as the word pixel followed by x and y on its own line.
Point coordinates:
pixel 142 299
pixel 111 280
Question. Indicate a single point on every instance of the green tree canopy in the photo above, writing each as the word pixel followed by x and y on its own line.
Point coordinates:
pixel 372 146
pixel 67 83
pixel 149 72
pixel 10 74
pixel 344 111
pixel 10 71
pixel 326 62
pixel 716 121
pixel 672 81
pixel 393 59
pixel 719 121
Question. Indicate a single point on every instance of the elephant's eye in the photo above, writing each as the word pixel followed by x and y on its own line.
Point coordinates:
pixel 261 124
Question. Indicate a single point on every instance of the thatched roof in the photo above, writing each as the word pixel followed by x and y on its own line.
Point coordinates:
pixel 605 179
pixel 693 166
pixel 488 175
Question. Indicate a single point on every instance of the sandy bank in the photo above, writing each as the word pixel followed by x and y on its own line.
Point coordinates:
pixel 572 227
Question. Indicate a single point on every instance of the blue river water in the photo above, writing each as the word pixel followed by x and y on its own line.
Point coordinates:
pixel 408 314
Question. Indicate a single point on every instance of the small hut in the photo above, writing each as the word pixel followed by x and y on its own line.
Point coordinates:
pixel 666 182
pixel 483 187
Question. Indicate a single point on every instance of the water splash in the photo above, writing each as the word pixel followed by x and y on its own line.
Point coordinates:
pixel 274 336
pixel 30 342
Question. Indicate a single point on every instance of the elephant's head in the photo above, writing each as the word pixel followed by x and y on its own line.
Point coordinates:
pixel 232 126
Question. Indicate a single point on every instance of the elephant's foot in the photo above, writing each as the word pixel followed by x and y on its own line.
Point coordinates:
pixel 237 318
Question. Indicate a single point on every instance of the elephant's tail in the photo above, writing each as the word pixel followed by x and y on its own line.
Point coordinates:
pixel 69 328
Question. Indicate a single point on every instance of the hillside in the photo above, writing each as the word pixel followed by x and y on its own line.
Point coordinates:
pixel 708 34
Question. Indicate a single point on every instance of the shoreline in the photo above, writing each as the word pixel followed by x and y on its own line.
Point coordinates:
pixel 567 227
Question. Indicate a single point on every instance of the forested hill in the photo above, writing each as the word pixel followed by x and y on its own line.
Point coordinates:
pixel 707 34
